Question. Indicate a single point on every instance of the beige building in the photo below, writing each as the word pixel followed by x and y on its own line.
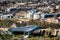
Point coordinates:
pixel 51 20
pixel 20 14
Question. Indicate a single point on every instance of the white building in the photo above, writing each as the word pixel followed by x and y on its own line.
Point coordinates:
pixel 29 15
pixel 37 15
pixel 6 16
pixel 8 9
pixel 0 16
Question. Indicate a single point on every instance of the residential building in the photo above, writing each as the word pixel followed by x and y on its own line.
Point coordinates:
pixel 21 14
pixel 0 16
pixel 30 14
pixel 6 16
pixel 37 15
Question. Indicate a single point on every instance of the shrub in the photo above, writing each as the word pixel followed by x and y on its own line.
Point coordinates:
pixel 43 24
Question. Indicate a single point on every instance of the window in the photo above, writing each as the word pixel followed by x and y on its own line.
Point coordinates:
pixel 58 15
pixel 47 16
pixel 14 9
pixel 8 17
pixel 11 16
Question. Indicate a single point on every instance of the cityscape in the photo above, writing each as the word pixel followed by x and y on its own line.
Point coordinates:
pixel 29 19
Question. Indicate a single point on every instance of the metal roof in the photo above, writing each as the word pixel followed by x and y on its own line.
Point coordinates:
pixel 30 29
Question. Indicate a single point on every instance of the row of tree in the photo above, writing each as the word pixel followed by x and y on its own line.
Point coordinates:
pixel 43 24
pixel 6 23
pixel 9 23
